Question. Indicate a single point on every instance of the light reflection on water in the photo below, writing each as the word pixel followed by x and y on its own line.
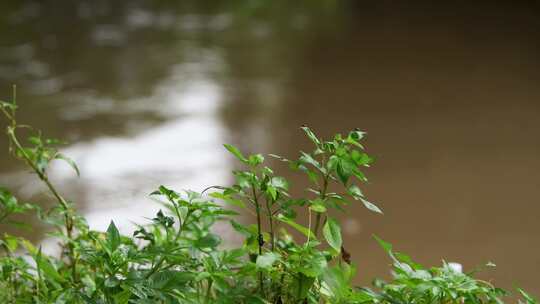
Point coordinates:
pixel 118 173
pixel 183 152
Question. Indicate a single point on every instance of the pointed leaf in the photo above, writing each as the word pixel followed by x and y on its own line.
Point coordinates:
pixel 371 206
pixel 256 159
pixel 236 152
pixel 332 234
pixel 113 237
pixel 355 192
pixel 311 135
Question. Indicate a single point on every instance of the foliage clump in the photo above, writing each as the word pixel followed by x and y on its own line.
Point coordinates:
pixel 177 257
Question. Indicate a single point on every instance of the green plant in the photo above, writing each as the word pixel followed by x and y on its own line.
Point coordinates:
pixel 413 283
pixel 177 257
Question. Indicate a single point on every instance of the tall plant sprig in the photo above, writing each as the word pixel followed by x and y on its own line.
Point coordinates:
pixel 338 161
pixel 37 157
pixel 261 190
pixel 266 195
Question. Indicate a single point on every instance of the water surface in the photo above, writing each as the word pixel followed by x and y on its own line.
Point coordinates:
pixel 147 93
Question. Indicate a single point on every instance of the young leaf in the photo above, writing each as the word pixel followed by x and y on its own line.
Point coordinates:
pixel 355 192
pixel 255 160
pixel 234 151
pixel 279 183
pixel 311 135
pixel 357 134
pixel 332 234
pixel 272 192
pixel 385 245
pixel 371 206
pixel 113 237
pixel 344 170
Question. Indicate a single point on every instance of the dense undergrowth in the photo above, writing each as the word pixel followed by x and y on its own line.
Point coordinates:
pixel 178 258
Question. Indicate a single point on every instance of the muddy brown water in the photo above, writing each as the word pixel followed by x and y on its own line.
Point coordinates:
pixel 147 93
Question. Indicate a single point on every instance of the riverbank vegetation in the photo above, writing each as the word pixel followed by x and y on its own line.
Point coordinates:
pixel 177 256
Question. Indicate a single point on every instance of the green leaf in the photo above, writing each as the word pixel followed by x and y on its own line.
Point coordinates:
pixel 527 297
pixel 355 192
pixel 314 264
pixel 311 135
pixel 266 260
pixel 385 245
pixel 208 241
pixel 361 159
pixel 344 170
pixel 228 199
pixel 279 182
pixel 122 297
pixel 271 191
pixel 302 284
pixel 371 206
pixel 305 231
pixel 240 228
pixel 170 279
pixel 29 246
pixel 255 160
pixel 11 242
pixel 312 176
pixel 245 179
pixel 69 161
pixel 317 206
pixel 338 280
pixel 8 105
pixel 356 135
pixel 234 151
pixel 308 159
pixel 47 268
pixel 332 234
pixel 202 276
pixel 113 237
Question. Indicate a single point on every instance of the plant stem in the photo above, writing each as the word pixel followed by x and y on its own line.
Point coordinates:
pixel 271 224
pixel 68 220
pixel 309 227
pixel 322 197
pixel 208 291
pixel 258 212
pixel 280 290
pixel 259 233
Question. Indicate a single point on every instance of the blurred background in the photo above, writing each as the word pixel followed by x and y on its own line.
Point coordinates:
pixel 147 92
